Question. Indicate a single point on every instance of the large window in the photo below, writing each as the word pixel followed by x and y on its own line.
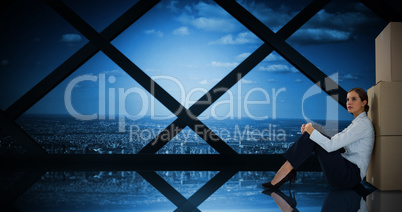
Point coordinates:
pixel 101 99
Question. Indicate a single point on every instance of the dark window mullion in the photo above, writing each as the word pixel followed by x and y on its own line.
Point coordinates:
pixel 136 73
pixel 77 59
pixel 285 50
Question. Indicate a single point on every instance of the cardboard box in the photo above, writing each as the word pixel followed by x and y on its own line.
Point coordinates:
pixel 384 201
pixel 388 53
pixel 385 101
pixel 384 171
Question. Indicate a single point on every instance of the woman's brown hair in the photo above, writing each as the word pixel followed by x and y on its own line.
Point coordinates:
pixel 363 96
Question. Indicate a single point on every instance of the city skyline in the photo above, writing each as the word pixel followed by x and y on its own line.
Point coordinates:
pixel 63 134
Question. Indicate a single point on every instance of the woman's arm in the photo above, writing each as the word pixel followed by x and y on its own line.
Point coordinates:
pixel 353 133
pixel 309 128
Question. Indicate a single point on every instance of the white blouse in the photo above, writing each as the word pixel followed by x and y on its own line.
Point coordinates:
pixel 357 139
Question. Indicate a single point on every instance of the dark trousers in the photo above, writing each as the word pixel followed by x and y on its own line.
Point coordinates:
pixel 338 171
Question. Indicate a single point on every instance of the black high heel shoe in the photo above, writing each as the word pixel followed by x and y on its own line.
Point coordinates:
pixel 291 177
pixel 291 201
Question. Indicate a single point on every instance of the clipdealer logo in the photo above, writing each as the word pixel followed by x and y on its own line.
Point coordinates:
pixel 108 96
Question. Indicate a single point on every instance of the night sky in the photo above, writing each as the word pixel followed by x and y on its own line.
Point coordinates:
pixel 187 47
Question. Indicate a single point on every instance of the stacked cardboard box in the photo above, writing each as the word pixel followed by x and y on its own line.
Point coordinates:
pixel 385 100
pixel 388 53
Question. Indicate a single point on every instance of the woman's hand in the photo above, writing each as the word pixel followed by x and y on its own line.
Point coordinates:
pixel 303 128
pixel 309 128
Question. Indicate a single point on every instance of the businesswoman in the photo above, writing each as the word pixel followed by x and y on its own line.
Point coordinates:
pixel 344 158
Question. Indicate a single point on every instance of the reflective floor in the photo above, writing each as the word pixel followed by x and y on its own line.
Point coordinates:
pixel 186 191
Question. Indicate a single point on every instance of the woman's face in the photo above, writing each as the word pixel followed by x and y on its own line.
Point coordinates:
pixel 354 104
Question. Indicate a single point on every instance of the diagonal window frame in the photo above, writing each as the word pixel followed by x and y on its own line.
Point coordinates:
pixel 62 72
pixel 285 50
pixel 186 117
pixel 143 79
pixel 238 73
pixel 195 200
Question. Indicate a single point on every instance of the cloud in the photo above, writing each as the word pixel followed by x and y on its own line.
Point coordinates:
pixel 316 36
pixel 339 22
pixel 331 27
pixel 346 22
pixel 242 56
pixel 208 17
pixel 273 57
pixel 298 81
pixel 181 31
pixel 154 32
pixel 204 82
pixel 342 77
pixel 342 21
pixel 348 77
pixel 277 68
pixel 224 65
pixel 327 26
pixel 213 24
pixel 172 5
pixel 272 17
pixel 241 38
pixel 205 9
pixel 71 38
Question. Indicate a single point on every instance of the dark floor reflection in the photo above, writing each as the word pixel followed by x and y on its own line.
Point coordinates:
pixel 182 191
pixel 384 201
pixel 284 202
pixel 71 191
pixel 344 200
